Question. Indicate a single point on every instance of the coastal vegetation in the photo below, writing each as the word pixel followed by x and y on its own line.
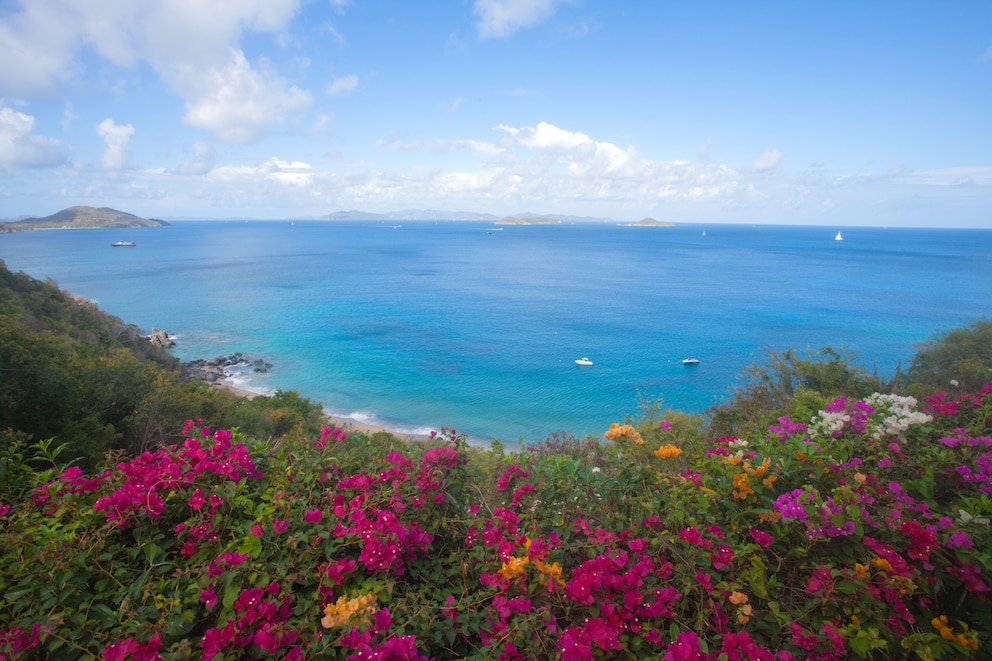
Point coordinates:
pixel 82 217
pixel 823 512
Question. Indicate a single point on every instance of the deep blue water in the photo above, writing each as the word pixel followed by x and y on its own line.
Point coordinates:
pixel 463 325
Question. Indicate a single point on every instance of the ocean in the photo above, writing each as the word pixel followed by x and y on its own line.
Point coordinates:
pixel 417 325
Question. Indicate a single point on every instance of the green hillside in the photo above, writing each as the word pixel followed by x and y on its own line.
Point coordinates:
pixel 72 372
pixel 82 217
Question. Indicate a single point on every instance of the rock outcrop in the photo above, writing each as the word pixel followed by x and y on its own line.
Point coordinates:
pixel 161 338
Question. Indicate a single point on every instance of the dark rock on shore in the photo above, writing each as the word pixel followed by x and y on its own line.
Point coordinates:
pixel 215 370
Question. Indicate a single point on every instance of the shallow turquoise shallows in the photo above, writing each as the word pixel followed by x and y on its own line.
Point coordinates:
pixel 417 325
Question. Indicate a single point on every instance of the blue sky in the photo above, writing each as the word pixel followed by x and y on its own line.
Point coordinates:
pixel 840 113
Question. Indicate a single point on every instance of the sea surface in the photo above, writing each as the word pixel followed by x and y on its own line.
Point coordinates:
pixel 420 325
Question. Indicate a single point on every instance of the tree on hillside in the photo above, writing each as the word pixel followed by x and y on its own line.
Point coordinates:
pixel 960 359
pixel 790 383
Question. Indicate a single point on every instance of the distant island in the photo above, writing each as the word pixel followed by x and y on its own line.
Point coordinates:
pixel 651 222
pixel 535 220
pixel 82 218
pixel 522 218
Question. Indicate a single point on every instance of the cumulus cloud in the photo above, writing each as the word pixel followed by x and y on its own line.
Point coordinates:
pixel 117 137
pixel 189 45
pixel 501 18
pixel 343 84
pixel 21 147
pixel 236 103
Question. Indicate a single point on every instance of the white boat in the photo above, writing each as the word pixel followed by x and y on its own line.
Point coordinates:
pixel 122 244
pixel 585 362
pixel 838 237
pixel 690 361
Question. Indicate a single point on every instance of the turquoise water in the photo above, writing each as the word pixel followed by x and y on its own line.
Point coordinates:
pixel 422 324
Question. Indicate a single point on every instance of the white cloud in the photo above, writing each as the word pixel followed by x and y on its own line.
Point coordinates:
pixel 36 48
pixel 769 162
pixel 201 162
pixel 343 84
pixel 20 147
pixel 237 103
pixel 115 156
pixel 189 44
pixel 501 18
pixel 396 141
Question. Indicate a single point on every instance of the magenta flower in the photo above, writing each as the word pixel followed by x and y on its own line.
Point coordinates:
pixel 279 526
pixel 723 557
pixel 197 501
pixel 761 537
pixel 208 598
pixel 313 516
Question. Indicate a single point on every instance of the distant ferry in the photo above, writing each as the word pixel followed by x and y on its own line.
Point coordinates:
pixel 122 244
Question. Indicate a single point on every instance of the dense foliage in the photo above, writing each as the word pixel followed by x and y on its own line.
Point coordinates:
pixel 861 533
pixel 809 517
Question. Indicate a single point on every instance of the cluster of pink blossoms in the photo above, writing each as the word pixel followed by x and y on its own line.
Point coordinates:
pixel 153 473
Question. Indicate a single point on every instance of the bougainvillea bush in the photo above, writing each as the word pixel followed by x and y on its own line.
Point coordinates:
pixel 862 533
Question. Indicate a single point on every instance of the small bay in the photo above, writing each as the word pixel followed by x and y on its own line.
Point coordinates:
pixel 417 325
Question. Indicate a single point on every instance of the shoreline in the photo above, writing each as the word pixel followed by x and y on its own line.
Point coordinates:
pixel 347 424
pixel 222 372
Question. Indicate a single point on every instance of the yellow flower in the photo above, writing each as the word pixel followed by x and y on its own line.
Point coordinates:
pixel 618 432
pixel 344 609
pixel 668 452
pixel 513 566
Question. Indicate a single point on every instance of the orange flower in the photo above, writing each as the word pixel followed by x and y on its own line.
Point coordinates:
pixel 668 452
pixel 344 609
pixel 618 432
pixel 742 488
pixel 513 566
pixel 737 598
pixel 882 564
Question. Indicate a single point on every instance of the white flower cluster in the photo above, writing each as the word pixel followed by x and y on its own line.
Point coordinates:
pixel 738 444
pixel 827 423
pixel 902 415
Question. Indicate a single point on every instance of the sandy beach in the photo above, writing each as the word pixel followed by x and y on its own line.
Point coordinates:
pixel 347 424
